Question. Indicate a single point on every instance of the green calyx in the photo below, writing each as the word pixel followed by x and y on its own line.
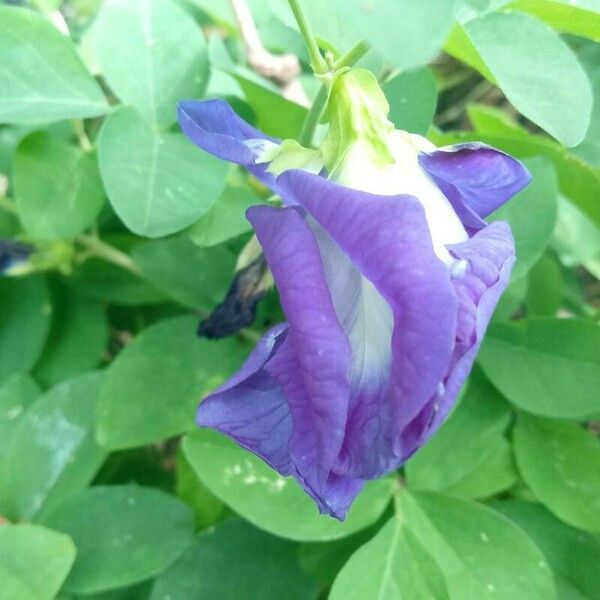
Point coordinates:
pixel 357 112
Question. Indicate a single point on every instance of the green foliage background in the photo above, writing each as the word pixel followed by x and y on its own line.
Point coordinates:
pixel 107 490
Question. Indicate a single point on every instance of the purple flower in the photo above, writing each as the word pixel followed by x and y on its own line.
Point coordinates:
pixel 388 276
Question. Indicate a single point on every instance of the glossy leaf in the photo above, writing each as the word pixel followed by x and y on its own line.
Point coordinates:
pixel 155 384
pixel 25 312
pixel 123 534
pixel 34 562
pixel 58 188
pixel 441 547
pixel 266 568
pixel 54 452
pixel 42 78
pixel 141 55
pixel 560 462
pixel 556 94
pixel 77 340
pixel 549 367
pixel 158 183
pixel 269 501
pixel 573 555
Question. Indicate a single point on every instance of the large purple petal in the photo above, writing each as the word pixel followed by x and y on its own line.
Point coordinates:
pixel 216 128
pixel 388 241
pixel 487 260
pixel 476 178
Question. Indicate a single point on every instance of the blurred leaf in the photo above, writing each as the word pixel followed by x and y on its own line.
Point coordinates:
pixel 225 219
pixel 15 397
pixel 326 20
pixel 123 534
pixel 544 288
pixel 531 214
pixel 275 115
pixel 441 547
pixel 54 451
pixel 408 33
pixel 158 183
pixel 495 474
pixel 266 568
pixel 580 17
pixel 58 188
pixel 207 508
pixel 511 300
pixel 77 341
pixel 25 312
pixel 464 441
pixel 195 277
pixel 555 94
pixel 413 98
pixel 34 562
pixel 155 384
pixel 104 281
pixel 560 462
pixel 549 367
pixel 42 78
pixel 574 555
pixel 274 503
pixel 141 55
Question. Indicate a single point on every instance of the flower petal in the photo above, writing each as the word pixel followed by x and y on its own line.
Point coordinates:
pixel 476 178
pixel 314 377
pixel 387 239
pixel 216 128
pixel 488 258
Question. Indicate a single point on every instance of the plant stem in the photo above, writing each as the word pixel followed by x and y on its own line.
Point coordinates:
pixel 82 138
pixel 101 249
pixel 7 205
pixel 318 63
pixel 313 117
pixel 353 56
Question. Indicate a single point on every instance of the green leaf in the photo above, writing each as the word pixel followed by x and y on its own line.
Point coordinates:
pixel 274 503
pixel 408 33
pixel 544 288
pixel 548 367
pixel 531 215
pixel 158 183
pixel 464 441
pixel 152 54
pixel 41 76
pixel 275 115
pixel 442 547
pixel 413 98
pixel 560 462
pixel 100 280
pixel 495 474
pixel 225 219
pixel 266 568
pixel 574 555
pixel 54 451
pixel 77 341
pixel 15 397
pixel 580 17
pixel 556 94
pixel 25 312
pixel 154 385
pixel 195 277
pixel 34 562
pixel 58 188
pixel 123 534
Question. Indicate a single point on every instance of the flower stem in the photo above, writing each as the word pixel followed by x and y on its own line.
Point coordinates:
pixel 97 247
pixel 318 63
pixel 313 117
pixel 353 56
